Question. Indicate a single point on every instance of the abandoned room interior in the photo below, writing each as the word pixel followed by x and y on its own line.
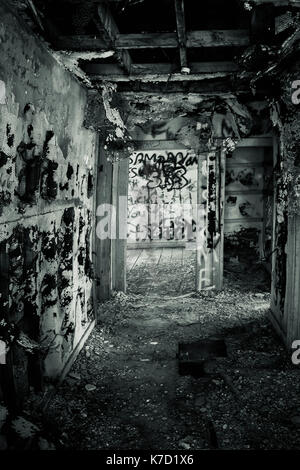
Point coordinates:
pixel 149 224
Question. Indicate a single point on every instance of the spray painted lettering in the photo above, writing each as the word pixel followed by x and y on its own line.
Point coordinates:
pixel 165 171
pixel 160 185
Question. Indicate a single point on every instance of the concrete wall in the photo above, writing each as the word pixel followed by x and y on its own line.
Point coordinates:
pixel 46 201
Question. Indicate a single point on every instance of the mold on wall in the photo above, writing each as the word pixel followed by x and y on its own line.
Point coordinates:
pixel 46 200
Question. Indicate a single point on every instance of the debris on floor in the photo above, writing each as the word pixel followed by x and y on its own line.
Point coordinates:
pixel 128 394
pixel 20 433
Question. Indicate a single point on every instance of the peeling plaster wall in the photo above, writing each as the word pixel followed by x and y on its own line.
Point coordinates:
pixel 46 173
pixel 285 283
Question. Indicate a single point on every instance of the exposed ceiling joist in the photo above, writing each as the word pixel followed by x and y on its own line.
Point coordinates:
pixel 109 32
pixel 106 70
pixel 156 77
pixel 216 38
pixel 206 38
pixel 181 32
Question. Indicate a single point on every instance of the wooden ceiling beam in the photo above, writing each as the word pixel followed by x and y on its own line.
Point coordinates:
pixel 109 32
pixel 215 38
pixel 181 32
pixel 147 41
pixel 218 38
pixel 160 78
pixel 206 38
pixel 138 70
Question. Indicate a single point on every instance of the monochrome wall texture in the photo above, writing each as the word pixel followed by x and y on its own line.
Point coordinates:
pixel 46 199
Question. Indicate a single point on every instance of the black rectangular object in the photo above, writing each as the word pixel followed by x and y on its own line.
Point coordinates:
pixel 192 356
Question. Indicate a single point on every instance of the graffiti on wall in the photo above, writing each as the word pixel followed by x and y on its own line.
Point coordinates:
pixel 162 196
pixel 167 171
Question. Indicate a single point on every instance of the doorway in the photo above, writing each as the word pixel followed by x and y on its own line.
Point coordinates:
pixel 162 214
pixel 248 215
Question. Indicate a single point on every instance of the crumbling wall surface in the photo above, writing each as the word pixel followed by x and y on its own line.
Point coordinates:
pixel 285 114
pixel 46 201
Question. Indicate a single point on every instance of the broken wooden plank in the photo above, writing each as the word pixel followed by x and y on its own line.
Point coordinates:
pixel 181 32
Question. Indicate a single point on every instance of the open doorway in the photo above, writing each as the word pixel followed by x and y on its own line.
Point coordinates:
pixel 162 213
pixel 248 218
pixel 166 186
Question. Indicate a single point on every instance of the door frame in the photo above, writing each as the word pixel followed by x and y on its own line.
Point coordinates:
pixel 210 220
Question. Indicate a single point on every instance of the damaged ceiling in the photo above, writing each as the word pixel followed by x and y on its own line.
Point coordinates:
pixel 170 60
pixel 165 46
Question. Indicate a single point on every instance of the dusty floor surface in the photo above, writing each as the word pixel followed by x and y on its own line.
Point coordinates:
pixel 125 392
